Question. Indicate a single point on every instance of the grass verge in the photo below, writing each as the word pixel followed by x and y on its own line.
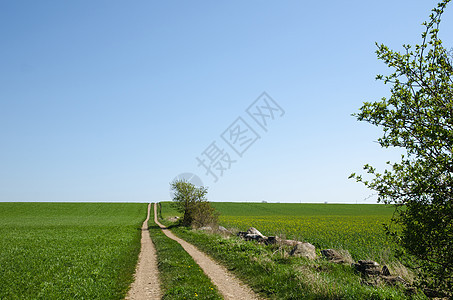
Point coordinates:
pixel 181 277
pixel 270 271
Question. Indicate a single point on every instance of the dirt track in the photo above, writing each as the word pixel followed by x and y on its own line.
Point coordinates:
pixel 146 284
pixel 229 286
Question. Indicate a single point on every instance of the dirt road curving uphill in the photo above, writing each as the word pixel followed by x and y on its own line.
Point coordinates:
pixel 229 286
pixel 146 284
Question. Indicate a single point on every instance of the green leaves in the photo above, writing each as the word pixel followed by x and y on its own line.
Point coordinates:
pixel 191 201
pixel 418 117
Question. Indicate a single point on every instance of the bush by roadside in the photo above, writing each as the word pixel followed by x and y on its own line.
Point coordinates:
pixel 191 201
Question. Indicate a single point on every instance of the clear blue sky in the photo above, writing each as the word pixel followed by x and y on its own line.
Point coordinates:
pixel 110 100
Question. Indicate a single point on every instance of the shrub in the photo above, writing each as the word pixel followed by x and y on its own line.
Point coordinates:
pixel 192 203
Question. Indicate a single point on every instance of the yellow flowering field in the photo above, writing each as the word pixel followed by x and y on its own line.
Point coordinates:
pixel 357 228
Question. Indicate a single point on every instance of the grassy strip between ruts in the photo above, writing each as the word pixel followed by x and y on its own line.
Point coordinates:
pixel 181 277
pixel 271 272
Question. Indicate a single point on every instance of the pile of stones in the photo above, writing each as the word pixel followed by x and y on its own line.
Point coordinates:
pixel 375 275
pixel 371 271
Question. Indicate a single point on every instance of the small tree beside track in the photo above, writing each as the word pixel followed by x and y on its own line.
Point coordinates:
pixel 191 201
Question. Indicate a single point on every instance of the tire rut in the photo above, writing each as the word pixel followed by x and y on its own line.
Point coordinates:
pixel 146 284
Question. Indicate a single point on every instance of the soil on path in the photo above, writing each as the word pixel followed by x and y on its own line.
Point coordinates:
pixel 229 286
pixel 146 284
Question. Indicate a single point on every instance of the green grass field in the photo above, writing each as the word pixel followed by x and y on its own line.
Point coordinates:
pixel 68 250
